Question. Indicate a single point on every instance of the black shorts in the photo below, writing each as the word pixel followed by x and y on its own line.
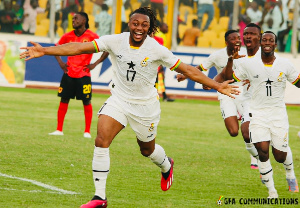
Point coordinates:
pixel 79 87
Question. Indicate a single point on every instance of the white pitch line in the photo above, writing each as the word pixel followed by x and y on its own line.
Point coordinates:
pixel 32 191
pixel 40 184
pixel 293 126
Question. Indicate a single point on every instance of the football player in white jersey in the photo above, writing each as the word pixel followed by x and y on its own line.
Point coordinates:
pixel 251 36
pixel 232 109
pixel 135 57
pixel 269 124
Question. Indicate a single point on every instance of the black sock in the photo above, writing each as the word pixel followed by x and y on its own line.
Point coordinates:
pixel 97 198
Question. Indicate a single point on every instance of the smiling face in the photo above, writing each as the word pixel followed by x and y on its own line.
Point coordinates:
pixel 268 43
pixel 233 41
pixel 139 25
pixel 251 37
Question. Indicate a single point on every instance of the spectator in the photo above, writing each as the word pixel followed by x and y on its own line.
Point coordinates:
pixel 79 3
pixel 226 7
pixel 31 9
pixel 161 37
pixel 144 3
pixel 191 35
pixel 7 18
pixel 71 9
pixel 254 13
pixel 272 18
pixel 205 7
pixel 19 13
pixel 97 6
pixel 284 29
pixel 162 32
pixel 158 5
pixel 103 21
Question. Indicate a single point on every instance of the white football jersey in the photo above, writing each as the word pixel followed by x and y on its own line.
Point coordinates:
pixel 135 68
pixel 268 82
pixel 219 59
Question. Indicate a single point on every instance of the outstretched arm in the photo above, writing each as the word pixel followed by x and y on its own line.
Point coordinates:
pixel 68 49
pixel 197 76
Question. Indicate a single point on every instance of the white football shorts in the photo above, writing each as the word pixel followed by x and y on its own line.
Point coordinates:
pixel 143 118
pixel 234 107
pixel 278 136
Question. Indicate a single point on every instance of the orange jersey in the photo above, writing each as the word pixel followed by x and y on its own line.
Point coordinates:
pixel 77 64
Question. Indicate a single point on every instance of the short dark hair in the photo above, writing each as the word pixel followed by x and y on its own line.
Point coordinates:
pixel 104 7
pixel 194 22
pixel 228 33
pixel 86 18
pixel 270 32
pixel 254 25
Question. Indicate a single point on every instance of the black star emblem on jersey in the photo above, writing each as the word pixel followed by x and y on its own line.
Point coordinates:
pixel 131 65
pixel 268 82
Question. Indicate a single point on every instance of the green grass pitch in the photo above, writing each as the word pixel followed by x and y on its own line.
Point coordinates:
pixel 38 170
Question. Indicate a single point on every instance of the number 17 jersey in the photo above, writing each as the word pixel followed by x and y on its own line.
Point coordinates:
pixel 135 68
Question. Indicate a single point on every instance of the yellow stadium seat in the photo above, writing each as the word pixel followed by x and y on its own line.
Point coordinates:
pixel 135 5
pixel 45 23
pixel 43 3
pixel 88 7
pixel 203 42
pixel 209 34
pixel 60 31
pixel 223 22
pixel 41 30
pixel 181 29
pixel 183 9
pixel 40 16
pixel 218 43
pixel 218 28
pixel 221 34
pixel 213 23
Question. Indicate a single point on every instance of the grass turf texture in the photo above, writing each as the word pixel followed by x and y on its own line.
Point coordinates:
pixel 208 162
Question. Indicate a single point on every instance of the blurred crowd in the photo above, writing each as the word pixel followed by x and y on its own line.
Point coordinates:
pixel 201 23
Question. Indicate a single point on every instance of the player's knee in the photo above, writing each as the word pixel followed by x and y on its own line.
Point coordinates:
pixel 146 152
pixel 280 157
pixel 233 132
pixel 101 142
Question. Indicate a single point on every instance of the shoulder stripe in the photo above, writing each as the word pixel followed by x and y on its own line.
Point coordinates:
pixel 95 46
pixel 175 65
pixel 297 80
pixel 202 68
pixel 235 77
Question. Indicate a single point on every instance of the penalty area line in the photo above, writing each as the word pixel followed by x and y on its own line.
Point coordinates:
pixel 46 186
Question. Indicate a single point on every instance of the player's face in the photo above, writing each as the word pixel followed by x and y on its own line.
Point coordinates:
pixel 78 21
pixel 233 41
pixel 268 44
pixel 139 25
pixel 251 37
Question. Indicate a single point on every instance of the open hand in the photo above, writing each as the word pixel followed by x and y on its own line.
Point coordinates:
pixel 227 89
pixel 31 52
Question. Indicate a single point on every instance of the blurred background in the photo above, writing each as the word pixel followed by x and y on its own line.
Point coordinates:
pixel 192 29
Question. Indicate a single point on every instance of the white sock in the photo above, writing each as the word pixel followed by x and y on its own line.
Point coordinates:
pixel 288 165
pixel 251 149
pixel 159 158
pixel 101 163
pixel 266 172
